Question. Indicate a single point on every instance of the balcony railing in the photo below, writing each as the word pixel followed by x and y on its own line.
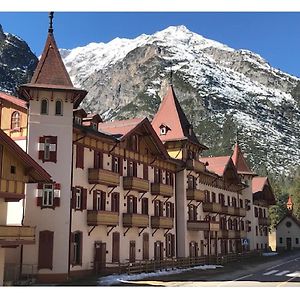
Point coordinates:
pixel 212 207
pixel 135 184
pixel 162 189
pixel 198 225
pixel 194 194
pixel 228 210
pixel 241 234
pixel 100 217
pixel 16 235
pixel 104 177
pixel 264 221
pixel 240 211
pixel 214 226
pixel 162 222
pixel 135 220
pixel 197 166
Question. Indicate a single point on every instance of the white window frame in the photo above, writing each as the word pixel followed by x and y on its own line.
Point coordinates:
pixel 163 130
pixel 48 195
pixel 78 198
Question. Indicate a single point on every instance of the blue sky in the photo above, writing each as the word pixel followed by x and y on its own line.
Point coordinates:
pixel 273 35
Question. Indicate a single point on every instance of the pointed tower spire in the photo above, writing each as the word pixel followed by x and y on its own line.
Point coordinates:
pixel 289 204
pixel 51 72
pixel 240 161
pixel 171 115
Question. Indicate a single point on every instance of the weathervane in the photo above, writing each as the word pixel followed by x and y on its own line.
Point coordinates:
pixel 50 30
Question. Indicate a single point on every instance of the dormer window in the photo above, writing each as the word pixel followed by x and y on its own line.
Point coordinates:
pixel 15 120
pixel 163 129
pixel 78 120
pixel 44 107
pixel 94 126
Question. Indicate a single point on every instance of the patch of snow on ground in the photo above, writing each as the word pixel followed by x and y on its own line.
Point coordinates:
pixel 269 254
pixel 116 278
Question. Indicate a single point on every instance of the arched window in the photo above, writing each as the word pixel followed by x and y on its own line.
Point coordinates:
pixel 15 120
pixel 58 108
pixel 44 107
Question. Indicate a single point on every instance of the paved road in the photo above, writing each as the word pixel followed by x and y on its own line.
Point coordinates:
pixel 281 272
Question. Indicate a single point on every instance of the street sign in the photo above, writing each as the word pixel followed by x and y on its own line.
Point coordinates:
pixel 245 242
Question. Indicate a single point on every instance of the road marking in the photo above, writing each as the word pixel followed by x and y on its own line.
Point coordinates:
pixel 282 273
pixel 295 274
pixel 271 272
pixel 295 259
pixel 226 282
pixel 282 283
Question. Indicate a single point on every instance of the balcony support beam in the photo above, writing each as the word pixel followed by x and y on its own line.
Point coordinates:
pixel 142 231
pixel 109 231
pixel 166 232
pixel 199 204
pixel 126 231
pixel 154 231
pixel 91 230
pixel 166 200
pixel 111 190
pixel 142 196
pixel 154 198
pixel 90 191
pixel 127 194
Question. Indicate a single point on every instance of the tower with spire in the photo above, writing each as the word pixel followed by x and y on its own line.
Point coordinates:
pixel 290 205
pixel 51 99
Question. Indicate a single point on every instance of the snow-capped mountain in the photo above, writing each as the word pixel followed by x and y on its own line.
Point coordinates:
pixel 221 89
pixel 17 62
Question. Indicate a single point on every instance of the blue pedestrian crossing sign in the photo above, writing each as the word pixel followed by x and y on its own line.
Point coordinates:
pixel 245 242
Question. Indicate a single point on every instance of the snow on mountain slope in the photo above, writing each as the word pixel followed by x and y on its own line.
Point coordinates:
pixel 218 87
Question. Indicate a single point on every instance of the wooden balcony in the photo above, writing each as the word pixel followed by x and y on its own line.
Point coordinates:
pixel 264 221
pixel 162 222
pixel 194 194
pixel 162 189
pixel 101 217
pixel 212 207
pixel 240 211
pixel 214 226
pixel 197 166
pixel 197 225
pixel 229 210
pixel 135 184
pixel 241 234
pixel 104 177
pixel 16 235
pixel 227 234
pixel 135 220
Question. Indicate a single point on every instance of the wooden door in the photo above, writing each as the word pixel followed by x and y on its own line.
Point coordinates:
pixel 100 257
pixel 145 246
pixel 116 247
pixel 132 251
pixel 158 251
pixel 288 244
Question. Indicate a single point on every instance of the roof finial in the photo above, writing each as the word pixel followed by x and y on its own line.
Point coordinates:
pixel 50 30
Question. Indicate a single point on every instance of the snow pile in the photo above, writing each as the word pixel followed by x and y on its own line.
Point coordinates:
pixel 117 278
pixel 269 254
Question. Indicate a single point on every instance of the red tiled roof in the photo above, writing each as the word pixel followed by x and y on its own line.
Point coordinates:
pixel 171 115
pixel 13 100
pixel 35 171
pixel 240 161
pixel 51 69
pixel 119 127
pixel 216 164
pixel 258 184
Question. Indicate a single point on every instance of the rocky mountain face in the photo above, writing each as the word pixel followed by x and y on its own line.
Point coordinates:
pixel 17 62
pixel 222 91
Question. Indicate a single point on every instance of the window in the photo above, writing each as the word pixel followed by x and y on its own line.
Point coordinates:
pixel 213 197
pixel 98 160
pixel 222 199
pixel 242 225
pixel 230 224
pixel 297 241
pixel 94 126
pixel 192 212
pixel 170 245
pixel 44 107
pixel 145 206
pixel 76 257
pixel 78 120
pixel 255 212
pixel 169 178
pixel 234 204
pixel 115 199
pixel 158 209
pixel 133 143
pixel 241 203
pixel 13 169
pixel 47 149
pixel 131 205
pixel 256 230
pixel 163 130
pixel 280 240
pixel 170 210
pixel 58 108
pixel 48 195
pixel 192 184
pixel 207 195
pixel 157 175
pixel 288 224
pixel 78 201
pixel 131 168
pixel 116 167
pixel 15 120
pixel 99 200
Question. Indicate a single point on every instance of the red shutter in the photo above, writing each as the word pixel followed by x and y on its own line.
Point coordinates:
pixel 45 255
pixel 135 205
pixel 79 156
pixel 53 154
pixel 73 199
pixel 95 200
pixel 84 199
pixel 56 200
pixel 40 186
pixel 145 171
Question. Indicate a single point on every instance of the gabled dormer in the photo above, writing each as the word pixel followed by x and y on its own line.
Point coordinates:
pixel 92 121
pixel 78 116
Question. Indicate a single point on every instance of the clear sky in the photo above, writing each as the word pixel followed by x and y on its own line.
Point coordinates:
pixel 273 35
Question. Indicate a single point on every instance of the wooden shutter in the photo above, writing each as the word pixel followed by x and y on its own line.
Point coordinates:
pixel 146 245
pixel 73 199
pixel 53 153
pixel 145 209
pixel 103 200
pixel 173 244
pixel 45 255
pixel 116 247
pixel 160 208
pixel 39 198
pixel 121 166
pixel 98 160
pixel 95 200
pixel 79 156
pixel 134 205
pixel 41 152
pixel 56 199
pixel 145 171
pixel 84 199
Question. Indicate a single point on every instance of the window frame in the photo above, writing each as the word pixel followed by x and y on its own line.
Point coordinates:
pixel 61 108
pixel 46 112
pixel 48 201
pixel 15 122
pixel 78 198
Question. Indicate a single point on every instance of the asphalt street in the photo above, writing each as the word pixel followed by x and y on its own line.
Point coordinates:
pixel 280 272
